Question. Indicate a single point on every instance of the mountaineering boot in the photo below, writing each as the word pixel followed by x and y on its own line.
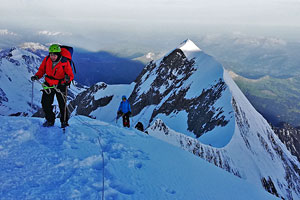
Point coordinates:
pixel 48 124
pixel 64 124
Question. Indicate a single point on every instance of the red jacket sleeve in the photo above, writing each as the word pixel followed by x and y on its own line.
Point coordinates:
pixel 42 69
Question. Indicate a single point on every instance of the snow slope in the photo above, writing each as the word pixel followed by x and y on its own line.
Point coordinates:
pixel 43 163
pixel 16 68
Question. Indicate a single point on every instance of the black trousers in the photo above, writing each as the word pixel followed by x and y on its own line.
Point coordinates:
pixel 126 121
pixel 47 101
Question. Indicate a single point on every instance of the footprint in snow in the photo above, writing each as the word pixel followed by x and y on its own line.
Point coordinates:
pixel 168 190
pixel 122 188
pixel 50 136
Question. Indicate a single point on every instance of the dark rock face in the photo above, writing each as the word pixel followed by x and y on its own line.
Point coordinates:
pixel 202 115
pixel 290 136
pixel 85 102
pixel 269 186
pixel 292 172
pixel 2 97
pixel 242 122
pixel 171 74
pixel 7 54
pixel 174 63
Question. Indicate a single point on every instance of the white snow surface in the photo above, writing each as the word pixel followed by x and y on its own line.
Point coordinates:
pixel 33 46
pixel 16 84
pixel 44 163
pixel 188 46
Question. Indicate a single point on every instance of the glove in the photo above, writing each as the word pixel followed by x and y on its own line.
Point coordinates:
pixel 129 113
pixel 67 83
pixel 34 78
pixel 67 78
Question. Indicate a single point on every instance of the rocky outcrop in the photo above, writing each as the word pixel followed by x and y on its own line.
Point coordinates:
pixel 3 96
pixel 85 102
pixel 290 136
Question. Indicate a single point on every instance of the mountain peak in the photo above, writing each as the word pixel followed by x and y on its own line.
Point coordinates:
pixel 33 46
pixel 188 45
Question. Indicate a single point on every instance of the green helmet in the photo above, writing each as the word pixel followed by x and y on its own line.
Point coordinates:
pixel 54 48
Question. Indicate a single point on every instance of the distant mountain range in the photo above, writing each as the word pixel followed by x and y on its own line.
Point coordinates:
pixel 254 57
pixel 277 99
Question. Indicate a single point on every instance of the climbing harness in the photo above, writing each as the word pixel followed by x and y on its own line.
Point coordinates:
pixel 47 89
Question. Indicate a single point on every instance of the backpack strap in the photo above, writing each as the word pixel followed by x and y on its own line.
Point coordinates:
pixel 65 59
pixel 72 63
pixel 46 62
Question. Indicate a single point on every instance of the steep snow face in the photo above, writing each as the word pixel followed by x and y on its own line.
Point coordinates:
pixel 16 68
pixel 187 91
pixel 254 153
pixel 43 163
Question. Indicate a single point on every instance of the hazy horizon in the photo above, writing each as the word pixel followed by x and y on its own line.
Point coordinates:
pixel 116 24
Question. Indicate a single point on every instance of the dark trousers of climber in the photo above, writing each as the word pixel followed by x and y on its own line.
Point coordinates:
pixel 126 121
pixel 47 101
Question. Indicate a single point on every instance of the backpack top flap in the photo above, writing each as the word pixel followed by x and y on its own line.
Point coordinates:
pixel 67 51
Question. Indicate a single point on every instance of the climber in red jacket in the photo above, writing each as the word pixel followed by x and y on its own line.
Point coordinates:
pixel 58 77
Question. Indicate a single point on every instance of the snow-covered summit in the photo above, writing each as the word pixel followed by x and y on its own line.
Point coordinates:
pixel 33 46
pixel 188 45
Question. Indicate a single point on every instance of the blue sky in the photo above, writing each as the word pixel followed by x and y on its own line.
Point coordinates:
pixel 95 24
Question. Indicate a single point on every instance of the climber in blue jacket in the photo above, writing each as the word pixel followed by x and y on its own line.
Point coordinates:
pixel 125 111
